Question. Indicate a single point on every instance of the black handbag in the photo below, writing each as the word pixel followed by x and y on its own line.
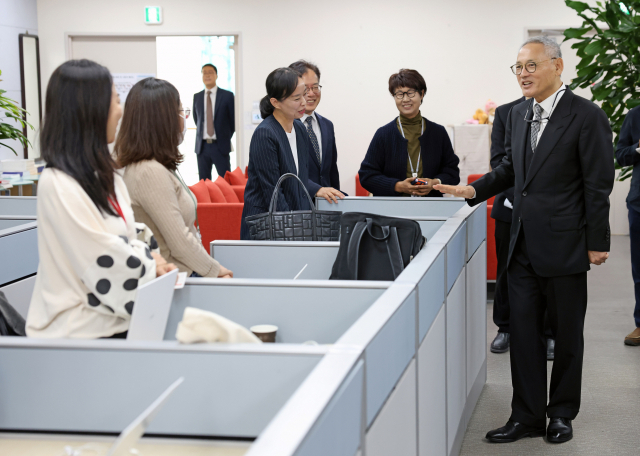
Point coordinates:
pixel 313 225
pixel 374 247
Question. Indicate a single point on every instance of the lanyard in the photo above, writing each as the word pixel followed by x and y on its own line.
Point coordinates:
pixel 195 203
pixel 414 172
pixel 116 206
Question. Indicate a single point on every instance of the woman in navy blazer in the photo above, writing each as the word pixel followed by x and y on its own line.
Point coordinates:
pixel 273 145
pixel 394 162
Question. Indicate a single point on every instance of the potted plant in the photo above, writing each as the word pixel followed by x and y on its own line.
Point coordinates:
pixel 607 44
pixel 12 111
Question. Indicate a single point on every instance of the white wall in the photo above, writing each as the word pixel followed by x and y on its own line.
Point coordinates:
pixel 16 17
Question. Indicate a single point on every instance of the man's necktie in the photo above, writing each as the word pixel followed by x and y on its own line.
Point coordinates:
pixel 535 126
pixel 210 129
pixel 314 138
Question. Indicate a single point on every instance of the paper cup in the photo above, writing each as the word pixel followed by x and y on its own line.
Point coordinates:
pixel 266 333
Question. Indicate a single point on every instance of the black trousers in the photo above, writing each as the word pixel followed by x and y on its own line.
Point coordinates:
pixel 501 297
pixel 634 237
pixel 209 156
pixel 566 311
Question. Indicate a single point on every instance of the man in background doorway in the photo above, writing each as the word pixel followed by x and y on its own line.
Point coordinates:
pixel 214 115
pixel 323 160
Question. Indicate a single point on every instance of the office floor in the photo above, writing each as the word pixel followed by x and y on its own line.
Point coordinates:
pixel 609 420
pixel 58 445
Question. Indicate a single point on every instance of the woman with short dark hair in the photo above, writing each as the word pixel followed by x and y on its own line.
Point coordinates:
pixel 280 145
pixel 410 154
pixel 153 126
pixel 91 261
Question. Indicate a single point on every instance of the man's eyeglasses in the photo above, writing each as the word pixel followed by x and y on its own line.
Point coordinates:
pixel 315 89
pixel 409 93
pixel 530 66
pixel 187 112
pixel 212 73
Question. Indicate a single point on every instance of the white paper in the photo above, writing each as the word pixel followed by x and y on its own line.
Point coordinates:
pixel 124 82
pixel 182 278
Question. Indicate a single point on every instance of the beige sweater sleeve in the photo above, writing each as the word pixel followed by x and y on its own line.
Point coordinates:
pixel 155 192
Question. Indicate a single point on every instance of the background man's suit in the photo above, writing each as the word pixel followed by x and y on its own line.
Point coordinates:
pixel 561 211
pixel 627 155
pixel 216 153
pixel 326 175
pixel 502 215
pixel 270 156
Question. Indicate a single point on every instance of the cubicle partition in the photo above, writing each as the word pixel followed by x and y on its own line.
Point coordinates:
pixel 398 367
pixel 18 205
pixel 19 251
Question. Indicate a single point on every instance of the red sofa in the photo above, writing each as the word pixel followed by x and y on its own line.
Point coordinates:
pixel 492 260
pixel 360 190
pixel 219 209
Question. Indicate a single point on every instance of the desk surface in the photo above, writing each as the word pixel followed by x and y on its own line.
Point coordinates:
pixel 54 445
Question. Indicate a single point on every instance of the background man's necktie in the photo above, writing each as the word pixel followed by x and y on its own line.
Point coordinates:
pixel 535 126
pixel 210 130
pixel 314 138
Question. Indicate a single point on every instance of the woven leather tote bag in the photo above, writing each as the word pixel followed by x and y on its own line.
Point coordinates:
pixel 313 225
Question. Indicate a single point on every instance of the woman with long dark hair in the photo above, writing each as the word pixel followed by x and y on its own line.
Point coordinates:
pixel 152 128
pixel 91 261
pixel 280 145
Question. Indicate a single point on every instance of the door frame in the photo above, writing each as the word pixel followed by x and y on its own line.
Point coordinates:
pixel 238 96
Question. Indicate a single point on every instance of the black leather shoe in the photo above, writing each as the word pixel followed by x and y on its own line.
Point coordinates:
pixel 559 430
pixel 513 431
pixel 551 349
pixel 501 343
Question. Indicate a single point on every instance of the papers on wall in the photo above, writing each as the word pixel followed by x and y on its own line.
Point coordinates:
pixel 124 82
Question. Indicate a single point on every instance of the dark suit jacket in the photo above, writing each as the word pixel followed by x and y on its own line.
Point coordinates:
pixel 627 156
pixel 563 204
pixel 500 211
pixel 326 175
pixel 270 157
pixel 386 161
pixel 224 119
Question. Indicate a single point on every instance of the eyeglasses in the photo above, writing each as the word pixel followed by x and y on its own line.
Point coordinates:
pixel 409 93
pixel 315 89
pixel 530 66
pixel 187 112
pixel 209 72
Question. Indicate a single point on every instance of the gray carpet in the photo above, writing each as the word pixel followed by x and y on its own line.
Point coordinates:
pixel 609 420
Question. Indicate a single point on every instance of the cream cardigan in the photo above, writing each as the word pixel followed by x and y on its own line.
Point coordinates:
pixel 160 201
pixel 91 264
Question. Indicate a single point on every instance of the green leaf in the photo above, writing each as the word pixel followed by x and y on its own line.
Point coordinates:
pixel 575 32
pixel 578 6
pixel 632 103
pixel 595 47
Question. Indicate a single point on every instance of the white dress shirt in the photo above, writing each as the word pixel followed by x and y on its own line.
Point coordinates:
pixel 214 92
pixel 315 126
pixel 547 105
pixel 294 146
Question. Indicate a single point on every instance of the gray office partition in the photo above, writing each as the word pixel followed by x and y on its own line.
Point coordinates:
pixel 19 294
pixel 276 259
pixel 19 249
pixel 18 205
pixel 11 221
pixel 395 206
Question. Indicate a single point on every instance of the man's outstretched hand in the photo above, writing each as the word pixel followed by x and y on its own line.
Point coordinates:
pixel 462 191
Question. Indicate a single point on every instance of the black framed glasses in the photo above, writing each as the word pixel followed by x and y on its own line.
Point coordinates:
pixel 409 93
pixel 186 111
pixel 531 67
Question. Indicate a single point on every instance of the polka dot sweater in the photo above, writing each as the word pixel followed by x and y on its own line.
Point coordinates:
pixel 91 264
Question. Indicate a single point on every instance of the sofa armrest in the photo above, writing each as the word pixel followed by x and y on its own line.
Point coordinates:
pixel 219 221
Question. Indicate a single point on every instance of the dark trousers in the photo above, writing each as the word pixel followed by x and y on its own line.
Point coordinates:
pixel 209 156
pixel 566 311
pixel 634 235
pixel 501 297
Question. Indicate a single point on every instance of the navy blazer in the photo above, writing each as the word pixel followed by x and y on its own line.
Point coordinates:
pixel 627 156
pixel 500 211
pixel 224 119
pixel 270 157
pixel 326 175
pixel 386 161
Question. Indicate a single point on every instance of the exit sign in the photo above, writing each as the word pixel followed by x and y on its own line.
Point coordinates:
pixel 153 15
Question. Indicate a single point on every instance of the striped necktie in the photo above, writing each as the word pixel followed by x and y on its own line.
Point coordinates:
pixel 535 126
pixel 314 138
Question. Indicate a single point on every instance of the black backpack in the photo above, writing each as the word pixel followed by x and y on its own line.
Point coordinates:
pixel 374 247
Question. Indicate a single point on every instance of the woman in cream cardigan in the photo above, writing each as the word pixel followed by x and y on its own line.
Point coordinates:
pixel 91 261
pixel 153 126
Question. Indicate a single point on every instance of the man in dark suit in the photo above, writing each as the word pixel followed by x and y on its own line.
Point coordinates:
pixel 214 115
pixel 628 154
pixel 559 162
pixel 323 158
